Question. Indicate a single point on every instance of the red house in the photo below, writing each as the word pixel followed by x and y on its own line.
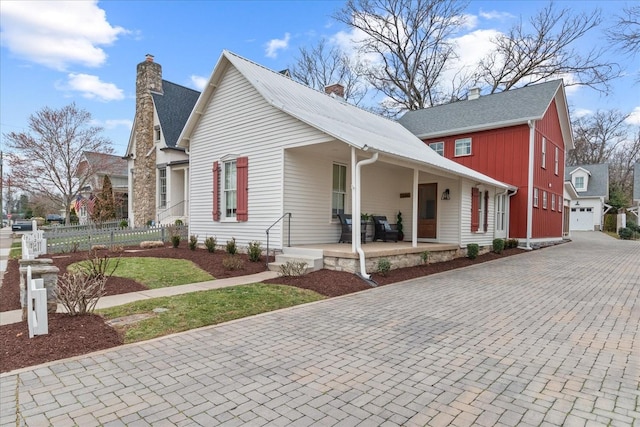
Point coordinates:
pixel 519 137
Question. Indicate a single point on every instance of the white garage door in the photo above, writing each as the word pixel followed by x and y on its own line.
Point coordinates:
pixel 582 219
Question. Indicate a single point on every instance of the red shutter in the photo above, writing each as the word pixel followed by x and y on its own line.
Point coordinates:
pixel 486 211
pixel 242 168
pixel 475 209
pixel 216 191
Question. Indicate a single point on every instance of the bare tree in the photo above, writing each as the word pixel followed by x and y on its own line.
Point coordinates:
pixel 524 57
pixel 621 166
pixel 409 41
pixel 322 66
pixel 597 137
pixel 46 158
pixel 626 32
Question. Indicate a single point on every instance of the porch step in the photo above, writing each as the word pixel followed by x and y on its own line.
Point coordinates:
pixel 313 258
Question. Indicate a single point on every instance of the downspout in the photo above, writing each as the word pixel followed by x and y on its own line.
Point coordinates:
pixel 532 135
pixel 356 221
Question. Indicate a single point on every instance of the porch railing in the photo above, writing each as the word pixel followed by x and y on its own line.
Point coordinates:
pixel 288 214
pixel 177 209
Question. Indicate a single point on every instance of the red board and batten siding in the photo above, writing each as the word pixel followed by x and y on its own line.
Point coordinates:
pixel 503 154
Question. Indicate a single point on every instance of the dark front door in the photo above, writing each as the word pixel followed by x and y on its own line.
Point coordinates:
pixel 427 208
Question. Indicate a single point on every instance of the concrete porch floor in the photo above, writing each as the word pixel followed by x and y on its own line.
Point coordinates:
pixel 378 249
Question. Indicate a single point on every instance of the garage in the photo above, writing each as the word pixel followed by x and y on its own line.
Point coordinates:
pixel 582 219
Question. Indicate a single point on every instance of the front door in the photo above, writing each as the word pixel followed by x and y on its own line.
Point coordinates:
pixel 427 208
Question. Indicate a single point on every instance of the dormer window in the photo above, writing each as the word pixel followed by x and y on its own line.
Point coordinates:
pixel 578 182
pixel 156 133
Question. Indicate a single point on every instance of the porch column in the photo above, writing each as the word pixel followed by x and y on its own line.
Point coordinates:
pixel 354 199
pixel 185 190
pixel 414 216
pixel 169 188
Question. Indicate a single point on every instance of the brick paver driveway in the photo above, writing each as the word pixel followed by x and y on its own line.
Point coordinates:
pixel 551 337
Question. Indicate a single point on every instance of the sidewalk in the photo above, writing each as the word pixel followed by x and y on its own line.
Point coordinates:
pixel 15 316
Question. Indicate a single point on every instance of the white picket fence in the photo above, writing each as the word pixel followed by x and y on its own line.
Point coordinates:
pixel 34 243
pixel 37 319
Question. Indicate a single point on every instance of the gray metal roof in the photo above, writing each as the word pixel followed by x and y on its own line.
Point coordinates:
pixel 107 164
pixel 173 107
pixel 598 185
pixel 508 108
pixel 636 182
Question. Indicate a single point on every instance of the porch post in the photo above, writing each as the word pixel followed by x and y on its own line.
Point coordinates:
pixel 185 193
pixel 354 200
pixel 414 216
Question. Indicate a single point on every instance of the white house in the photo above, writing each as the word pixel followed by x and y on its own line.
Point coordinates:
pixel 262 145
pixel 591 183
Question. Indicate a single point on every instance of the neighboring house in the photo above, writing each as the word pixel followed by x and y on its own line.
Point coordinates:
pixel 520 137
pixel 636 193
pixel 262 145
pixel 100 165
pixel 158 169
pixel 591 183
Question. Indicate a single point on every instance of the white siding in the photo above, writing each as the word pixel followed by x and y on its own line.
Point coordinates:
pixel 482 238
pixel 238 121
pixel 449 211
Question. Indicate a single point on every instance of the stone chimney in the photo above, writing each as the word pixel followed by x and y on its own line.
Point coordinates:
pixel 148 79
pixel 335 89
pixel 474 93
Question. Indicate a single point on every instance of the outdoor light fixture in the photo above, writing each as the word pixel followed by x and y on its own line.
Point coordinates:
pixel 445 195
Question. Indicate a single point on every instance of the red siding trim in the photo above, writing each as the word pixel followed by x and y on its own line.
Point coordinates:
pixel 216 191
pixel 242 168
pixel 475 213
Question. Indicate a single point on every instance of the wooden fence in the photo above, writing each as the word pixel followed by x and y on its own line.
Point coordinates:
pixel 73 239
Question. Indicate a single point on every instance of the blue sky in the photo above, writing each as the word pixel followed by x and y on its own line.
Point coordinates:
pixel 55 53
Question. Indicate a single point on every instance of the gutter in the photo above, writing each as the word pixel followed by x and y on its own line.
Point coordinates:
pixel 356 211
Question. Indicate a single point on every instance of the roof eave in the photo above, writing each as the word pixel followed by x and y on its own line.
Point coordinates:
pixel 483 127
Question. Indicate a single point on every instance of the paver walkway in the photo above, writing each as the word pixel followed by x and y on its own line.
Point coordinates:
pixel 551 337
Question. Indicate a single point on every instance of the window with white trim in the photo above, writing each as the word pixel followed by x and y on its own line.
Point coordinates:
pixel 500 212
pixel 339 189
pixel 553 202
pixel 229 188
pixel 557 161
pixel 578 182
pixel 544 199
pixel 162 187
pixel 463 147
pixel 544 152
pixel 156 133
pixel 535 197
pixel 438 147
pixel 560 203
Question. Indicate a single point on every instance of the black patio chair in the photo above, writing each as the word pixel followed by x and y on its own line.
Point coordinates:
pixel 347 223
pixel 383 230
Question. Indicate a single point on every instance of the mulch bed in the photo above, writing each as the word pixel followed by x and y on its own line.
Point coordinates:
pixel 71 336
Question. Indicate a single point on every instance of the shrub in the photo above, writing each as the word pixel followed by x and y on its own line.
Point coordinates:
pixel 610 222
pixel 232 262
pixel 472 250
pixel 254 251
pixel 424 256
pixel 175 240
pixel 498 245
pixel 149 223
pixel 511 243
pixel 293 268
pixel 625 233
pixel 79 293
pixel 178 222
pixel 210 244
pixel 383 267
pixel 231 247
pixel 98 267
pixel 124 223
pixel 193 242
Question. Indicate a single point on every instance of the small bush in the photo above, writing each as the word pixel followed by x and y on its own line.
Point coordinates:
pixel 472 250
pixel 424 256
pixel 511 243
pixel 231 247
pixel 625 233
pixel 79 293
pixel 178 222
pixel 254 251
pixel 293 268
pixel 98 267
pixel 193 242
pixel 610 222
pixel 149 223
pixel 175 240
pixel 124 223
pixel 210 244
pixel 498 245
pixel 384 265
pixel 232 262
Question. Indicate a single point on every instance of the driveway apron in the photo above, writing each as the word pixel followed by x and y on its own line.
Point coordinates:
pixel 550 337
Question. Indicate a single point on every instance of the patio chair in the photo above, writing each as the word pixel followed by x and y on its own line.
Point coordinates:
pixel 346 223
pixel 383 230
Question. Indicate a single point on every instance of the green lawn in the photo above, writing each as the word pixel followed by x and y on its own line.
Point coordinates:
pixel 158 272
pixel 203 308
pixel 16 249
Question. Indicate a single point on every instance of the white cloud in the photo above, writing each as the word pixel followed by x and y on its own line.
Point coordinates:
pixel 57 34
pixel 581 112
pixel 494 14
pixel 274 45
pixel 469 22
pixel 114 123
pixel 199 82
pixel 91 87
pixel 634 117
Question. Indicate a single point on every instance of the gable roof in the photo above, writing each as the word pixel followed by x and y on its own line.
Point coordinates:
pixel 173 107
pixel 636 182
pixel 509 108
pixel 108 164
pixel 598 185
pixel 345 122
